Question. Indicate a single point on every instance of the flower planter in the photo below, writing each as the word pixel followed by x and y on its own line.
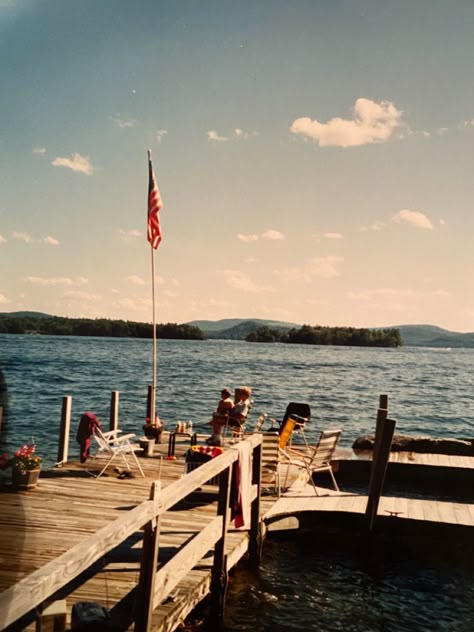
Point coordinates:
pixel 153 432
pixel 25 479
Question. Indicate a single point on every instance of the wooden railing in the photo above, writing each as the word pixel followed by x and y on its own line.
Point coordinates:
pixel 153 587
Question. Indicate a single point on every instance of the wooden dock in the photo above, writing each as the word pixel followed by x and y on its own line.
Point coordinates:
pixel 129 545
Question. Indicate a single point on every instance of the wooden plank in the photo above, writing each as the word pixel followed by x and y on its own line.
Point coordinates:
pixel 178 567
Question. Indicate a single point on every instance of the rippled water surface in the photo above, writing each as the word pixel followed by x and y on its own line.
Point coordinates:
pixel 336 584
pixel 430 391
pixel 317 584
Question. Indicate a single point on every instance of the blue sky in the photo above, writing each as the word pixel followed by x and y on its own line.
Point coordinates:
pixel 314 159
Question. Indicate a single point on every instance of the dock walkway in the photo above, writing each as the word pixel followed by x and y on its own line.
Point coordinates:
pixel 69 510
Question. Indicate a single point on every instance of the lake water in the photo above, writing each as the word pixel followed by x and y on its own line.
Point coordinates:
pixel 430 391
pixel 316 584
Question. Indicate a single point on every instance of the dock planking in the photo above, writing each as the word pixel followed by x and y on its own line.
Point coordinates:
pixel 69 505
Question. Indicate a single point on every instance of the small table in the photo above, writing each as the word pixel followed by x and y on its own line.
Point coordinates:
pixel 172 440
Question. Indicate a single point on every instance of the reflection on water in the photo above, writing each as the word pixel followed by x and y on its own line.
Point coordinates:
pixel 331 582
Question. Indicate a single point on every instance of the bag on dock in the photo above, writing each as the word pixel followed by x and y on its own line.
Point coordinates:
pixel 89 616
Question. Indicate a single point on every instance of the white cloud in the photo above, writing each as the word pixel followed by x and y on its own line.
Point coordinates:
pixel 129 235
pixel 247 238
pixel 123 123
pixel 136 280
pixel 160 134
pixel 4 300
pixel 273 235
pixel 376 226
pixel 242 134
pixel 238 280
pixel 83 296
pixel 39 150
pixel 371 123
pixel 28 239
pixel 333 235
pixel 79 163
pixel 318 267
pixel 56 281
pixel 213 135
pixel 51 241
pixel 2 240
pixel 415 218
pixel 381 293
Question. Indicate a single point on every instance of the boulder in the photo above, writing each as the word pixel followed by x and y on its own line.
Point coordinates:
pixel 425 445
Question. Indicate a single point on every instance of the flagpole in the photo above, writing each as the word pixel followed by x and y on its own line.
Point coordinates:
pixel 153 387
pixel 154 238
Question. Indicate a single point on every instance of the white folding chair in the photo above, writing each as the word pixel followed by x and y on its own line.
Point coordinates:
pixel 111 445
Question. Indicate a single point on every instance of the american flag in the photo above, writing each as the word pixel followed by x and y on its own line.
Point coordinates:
pixel 154 206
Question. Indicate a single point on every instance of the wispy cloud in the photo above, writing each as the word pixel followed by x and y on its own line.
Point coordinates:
pixel 51 241
pixel 247 238
pixel 81 164
pixel 2 240
pixel 376 226
pixel 414 218
pixel 39 150
pixel 332 236
pixel 317 267
pixel 238 280
pixel 129 235
pixel 371 123
pixel 4 300
pixel 56 281
pixel 272 235
pixel 122 123
pixel 213 135
pixel 83 296
pixel 269 235
pixel 136 280
pixel 28 239
pixel 243 135
pixel 160 134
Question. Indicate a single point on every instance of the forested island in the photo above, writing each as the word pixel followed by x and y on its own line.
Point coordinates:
pixel 318 335
pixel 38 323
pixel 62 326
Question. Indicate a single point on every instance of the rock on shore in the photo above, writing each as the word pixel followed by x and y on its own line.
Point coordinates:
pixel 425 445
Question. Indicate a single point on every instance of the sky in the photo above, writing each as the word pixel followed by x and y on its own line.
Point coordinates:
pixel 314 158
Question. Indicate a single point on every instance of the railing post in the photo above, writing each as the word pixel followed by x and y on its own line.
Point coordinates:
pixel 256 534
pixel 114 410
pixel 64 430
pixel 149 561
pixel 219 569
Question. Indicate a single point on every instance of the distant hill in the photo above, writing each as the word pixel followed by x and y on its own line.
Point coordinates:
pixel 25 314
pixel 431 336
pixel 229 323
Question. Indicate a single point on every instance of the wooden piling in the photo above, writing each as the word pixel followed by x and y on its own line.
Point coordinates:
pixel 146 585
pixel 219 574
pixel 64 430
pixel 256 532
pixel 114 411
pixel 383 401
pixel 383 442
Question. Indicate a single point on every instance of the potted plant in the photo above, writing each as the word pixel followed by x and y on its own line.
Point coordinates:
pixel 153 430
pixel 25 464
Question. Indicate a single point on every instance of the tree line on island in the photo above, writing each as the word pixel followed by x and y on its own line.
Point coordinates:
pixel 319 335
pixel 104 327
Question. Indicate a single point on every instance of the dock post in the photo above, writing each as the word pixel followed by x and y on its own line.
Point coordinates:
pixel 114 410
pixel 383 402
pixel 383 442
pixel 219 577
pixel 64 430
pixel 256 526
pixel 146 584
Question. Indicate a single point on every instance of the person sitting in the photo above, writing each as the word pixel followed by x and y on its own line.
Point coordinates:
pixel 240 410
pixel 220 416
